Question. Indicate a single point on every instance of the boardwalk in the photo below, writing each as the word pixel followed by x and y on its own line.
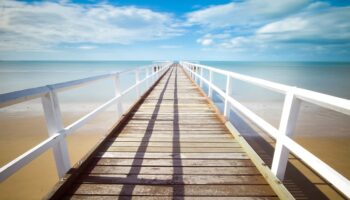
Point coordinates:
pixel 172 146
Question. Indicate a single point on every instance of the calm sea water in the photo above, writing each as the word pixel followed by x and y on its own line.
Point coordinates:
pixel 18 75
pixel 326 77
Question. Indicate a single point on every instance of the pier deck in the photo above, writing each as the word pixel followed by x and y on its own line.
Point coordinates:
pixel 171 145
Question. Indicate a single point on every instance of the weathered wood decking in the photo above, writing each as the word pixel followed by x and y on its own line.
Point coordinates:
pixel 173 146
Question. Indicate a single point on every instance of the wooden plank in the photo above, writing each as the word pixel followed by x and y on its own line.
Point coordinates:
pixel 173 170
pixel 179 114
pixel 173 155
pixel 168 124
pixel 159 179
pixel 187 136
pixel 182 150
pixel 166 105
pixel 170 144
pixel 171 96
pixel 200 101
pixel 206 113
pixel 179 127
pixel 184 121
pixel 177 190
pixel 171 197
pixel 161 139
pixel 172 104
pixel 172 162
pixel 171 133
pixel 179 119
pixel 174 128
pixel 172 109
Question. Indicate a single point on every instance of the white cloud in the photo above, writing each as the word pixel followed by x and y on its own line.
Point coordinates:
pixel 205 41
pixel 209 39
pixel 317 26
pixel 46 24
pixel 318 6
pixel 287 25
pixel 328 26
pixel 246 13
pixel 87 47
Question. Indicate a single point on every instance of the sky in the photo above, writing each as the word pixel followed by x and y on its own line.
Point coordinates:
pixel 251 30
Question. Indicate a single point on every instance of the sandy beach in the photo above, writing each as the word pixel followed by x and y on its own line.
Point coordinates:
pixel 23 129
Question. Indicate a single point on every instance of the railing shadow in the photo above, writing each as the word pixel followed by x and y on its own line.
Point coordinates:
pixel 136 166
pixel 295 181
pixel 179 191
pixel 131 179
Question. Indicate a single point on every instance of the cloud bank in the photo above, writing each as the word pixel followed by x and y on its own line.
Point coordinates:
pixel 42 25
pixel 247 13
pixel 265 25
pixel 236 29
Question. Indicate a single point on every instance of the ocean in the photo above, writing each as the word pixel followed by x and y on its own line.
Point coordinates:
pixel 327 77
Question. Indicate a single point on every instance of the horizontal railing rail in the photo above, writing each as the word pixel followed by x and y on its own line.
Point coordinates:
pixel 57 132
pixel 284 143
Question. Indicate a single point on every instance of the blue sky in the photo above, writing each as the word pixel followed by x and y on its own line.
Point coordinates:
pixel 252 30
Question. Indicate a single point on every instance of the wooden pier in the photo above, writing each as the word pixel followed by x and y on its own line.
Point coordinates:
pixel 172 144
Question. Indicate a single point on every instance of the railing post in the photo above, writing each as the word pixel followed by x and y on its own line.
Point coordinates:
pixel 201 75
pixel 147 76
pixel 152 73
pixel 287 125
pixel 54 124
pixel 156 74
pixel 227 106
pixel 193 73
pixel 137 77
pixel 210 90
pixel 118 94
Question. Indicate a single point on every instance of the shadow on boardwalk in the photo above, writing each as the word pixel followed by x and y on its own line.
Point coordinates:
pixel 178 190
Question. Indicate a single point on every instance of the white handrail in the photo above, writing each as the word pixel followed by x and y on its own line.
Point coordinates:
pixel 15 97
pixel 53 115
pixel 323 100
pixel 284 143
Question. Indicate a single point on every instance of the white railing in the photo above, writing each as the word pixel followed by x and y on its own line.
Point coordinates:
pixel 57 131
pixel 282 135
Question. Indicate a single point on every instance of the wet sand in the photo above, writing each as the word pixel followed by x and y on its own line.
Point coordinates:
pixel 21 130
pixel 19 133
pixel 333 151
